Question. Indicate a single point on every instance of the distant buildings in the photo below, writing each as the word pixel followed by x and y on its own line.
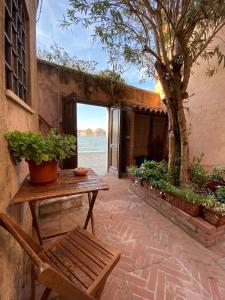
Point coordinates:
pixel 91 132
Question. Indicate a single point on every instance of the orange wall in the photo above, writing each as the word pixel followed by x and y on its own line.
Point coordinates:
pixel 206 114
pixel 14 115
pixel 54 81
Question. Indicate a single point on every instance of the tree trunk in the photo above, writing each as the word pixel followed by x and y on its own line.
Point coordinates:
pixel 173 130
pixel 178 163
pixel 184 164
pixel 174 143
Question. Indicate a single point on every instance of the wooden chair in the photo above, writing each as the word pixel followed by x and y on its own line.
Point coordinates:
pixel 76 266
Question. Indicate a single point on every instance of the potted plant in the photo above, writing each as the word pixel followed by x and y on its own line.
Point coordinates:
pixel 149 175
pixel 216 178
pixel 136 175
pixel 198 175
pixel 214 212
pixel 41 153
pixel 183 198
pixel 131 171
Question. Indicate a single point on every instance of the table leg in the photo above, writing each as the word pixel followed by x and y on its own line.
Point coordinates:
pixel 91 206
pixel 34 221
pixel 92 215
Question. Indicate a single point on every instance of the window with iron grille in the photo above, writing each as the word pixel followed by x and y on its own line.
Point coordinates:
pixel 15 47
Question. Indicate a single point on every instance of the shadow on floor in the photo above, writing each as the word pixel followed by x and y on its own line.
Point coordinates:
pixel 159 261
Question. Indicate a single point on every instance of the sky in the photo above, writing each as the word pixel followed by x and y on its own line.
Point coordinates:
pixel 77 40
pixel 90 116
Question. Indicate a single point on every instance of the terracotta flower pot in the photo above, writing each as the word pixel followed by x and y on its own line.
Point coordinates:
pixel 157 192
pixel 44 173
pixel 131 177
pixel 213 185
pixel 192 209
pixel 213 217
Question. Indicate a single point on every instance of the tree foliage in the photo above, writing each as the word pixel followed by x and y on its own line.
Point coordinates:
pixel 165 38
pixel 148 31
pixel 58 55
pixel 114 76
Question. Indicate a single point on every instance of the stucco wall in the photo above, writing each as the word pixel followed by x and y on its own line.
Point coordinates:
pixel 14 116
pixel 54 81
pixel 206 113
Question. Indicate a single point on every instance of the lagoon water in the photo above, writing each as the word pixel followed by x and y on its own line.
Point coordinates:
pixel 92 153
pixel 92 143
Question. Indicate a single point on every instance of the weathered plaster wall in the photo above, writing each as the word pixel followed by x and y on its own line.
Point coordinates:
pixel 206 114
pixel 54 81
pixel 14 116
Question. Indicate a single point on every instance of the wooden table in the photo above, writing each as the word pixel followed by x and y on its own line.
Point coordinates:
pixel 67 184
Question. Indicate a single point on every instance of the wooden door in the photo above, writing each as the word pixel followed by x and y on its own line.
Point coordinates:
pixel 115 140
pixel 69 122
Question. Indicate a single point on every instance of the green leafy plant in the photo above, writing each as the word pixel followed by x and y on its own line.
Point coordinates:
pixel 132 170
pixel 151 171
pixel 187 193
pixel 37 148
pixel 219 208
pixel 220 193
pixel 217 175
pixel 139 173
pixel 154 171
pixel 198 175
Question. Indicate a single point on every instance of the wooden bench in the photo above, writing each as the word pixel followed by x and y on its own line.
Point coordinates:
pixel 75 266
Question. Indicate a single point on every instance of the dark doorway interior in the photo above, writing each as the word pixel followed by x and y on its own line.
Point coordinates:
pixel 69 125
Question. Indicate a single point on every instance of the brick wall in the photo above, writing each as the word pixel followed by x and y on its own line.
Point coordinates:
pixel 205 233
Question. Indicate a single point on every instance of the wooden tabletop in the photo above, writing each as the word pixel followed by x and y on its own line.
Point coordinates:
pixel 67 184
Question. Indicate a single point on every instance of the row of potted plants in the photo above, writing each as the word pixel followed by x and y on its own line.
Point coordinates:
pixel 41 153
pixel 195 199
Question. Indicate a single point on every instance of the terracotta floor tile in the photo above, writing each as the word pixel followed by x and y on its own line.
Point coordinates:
pixel 159 261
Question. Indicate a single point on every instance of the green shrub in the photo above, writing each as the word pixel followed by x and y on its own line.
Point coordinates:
pixel 156 173
pixel 37 148
pixel 218 207
pixel 133 170
pixel 187 193
pixel 220 193
pixel 198 175
pixel 151 171
pixel 217 175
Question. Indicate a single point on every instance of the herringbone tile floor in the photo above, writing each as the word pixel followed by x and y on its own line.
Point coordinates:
pixel 159 261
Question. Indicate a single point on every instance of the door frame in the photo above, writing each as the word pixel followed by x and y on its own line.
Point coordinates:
pixel 110 168
pixel 84 101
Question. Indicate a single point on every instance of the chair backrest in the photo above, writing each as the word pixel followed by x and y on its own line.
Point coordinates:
pixel 47 275
pixel 27 243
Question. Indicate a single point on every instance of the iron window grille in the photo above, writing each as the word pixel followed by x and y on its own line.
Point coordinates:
pixel 15 47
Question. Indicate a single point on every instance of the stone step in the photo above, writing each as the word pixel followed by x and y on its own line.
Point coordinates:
pixel 55 205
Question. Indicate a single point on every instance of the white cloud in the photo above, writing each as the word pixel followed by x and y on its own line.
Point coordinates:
pixel 41 34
